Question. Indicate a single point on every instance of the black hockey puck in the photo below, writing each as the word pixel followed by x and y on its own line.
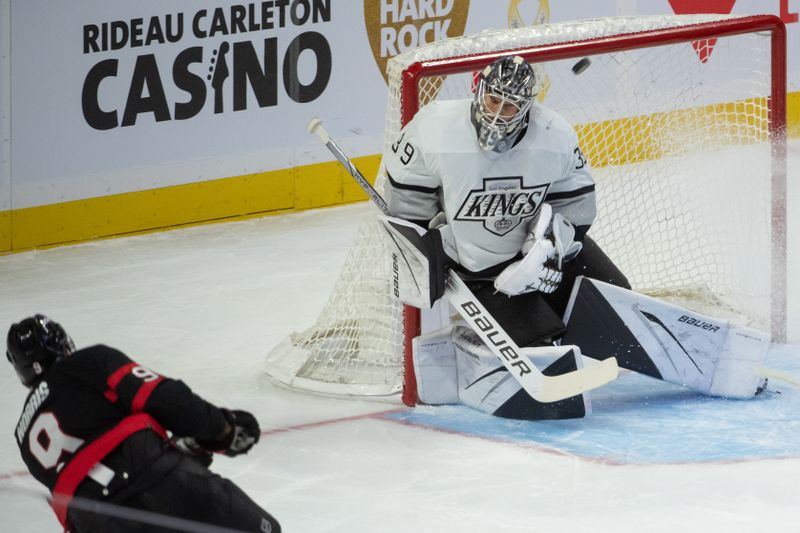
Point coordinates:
pixel 581 65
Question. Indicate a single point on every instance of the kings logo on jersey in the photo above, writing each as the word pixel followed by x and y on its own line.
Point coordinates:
pixel 502 204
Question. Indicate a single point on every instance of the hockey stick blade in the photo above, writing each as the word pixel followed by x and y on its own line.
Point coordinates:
pixel 541 388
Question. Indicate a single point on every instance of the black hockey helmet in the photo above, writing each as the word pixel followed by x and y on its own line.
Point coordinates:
pixel 511 84
pixel 35 343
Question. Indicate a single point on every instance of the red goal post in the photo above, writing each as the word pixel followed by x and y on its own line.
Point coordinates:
pixel 683 119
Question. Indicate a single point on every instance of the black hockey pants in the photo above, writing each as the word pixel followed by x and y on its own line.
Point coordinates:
pixel 175 486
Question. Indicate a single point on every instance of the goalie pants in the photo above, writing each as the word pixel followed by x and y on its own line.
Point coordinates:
pixel 175 485
pixel 535 319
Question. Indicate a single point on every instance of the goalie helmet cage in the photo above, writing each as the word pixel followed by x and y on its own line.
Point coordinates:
pixel 683 120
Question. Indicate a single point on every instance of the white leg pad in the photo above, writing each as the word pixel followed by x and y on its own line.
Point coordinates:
pixel 700 352
pixel 484 383
pixel 453 365
pixel 435 367
pixel 743 350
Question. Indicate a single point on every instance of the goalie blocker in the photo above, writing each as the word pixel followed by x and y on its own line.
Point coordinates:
pixel 419 261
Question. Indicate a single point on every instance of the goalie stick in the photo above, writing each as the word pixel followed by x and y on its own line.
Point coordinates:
pixel 540 387
pixel 315 126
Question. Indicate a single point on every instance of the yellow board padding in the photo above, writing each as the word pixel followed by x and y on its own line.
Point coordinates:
pixel 5 231
pixel 644 138
pixel 280 191
pixel 793 114
pixel 325 184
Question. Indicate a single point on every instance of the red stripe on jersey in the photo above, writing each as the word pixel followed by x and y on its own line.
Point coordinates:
pixel 114 379
pixel 137 406
pixel 77 469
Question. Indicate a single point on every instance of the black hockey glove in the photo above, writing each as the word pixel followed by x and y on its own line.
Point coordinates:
pixel 244 432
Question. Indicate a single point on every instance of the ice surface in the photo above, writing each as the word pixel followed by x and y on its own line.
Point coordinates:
pixel 206 303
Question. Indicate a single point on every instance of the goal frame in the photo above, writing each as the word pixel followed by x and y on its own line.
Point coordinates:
pixel 776 106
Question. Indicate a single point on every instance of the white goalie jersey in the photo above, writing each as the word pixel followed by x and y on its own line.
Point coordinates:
pixel 489 198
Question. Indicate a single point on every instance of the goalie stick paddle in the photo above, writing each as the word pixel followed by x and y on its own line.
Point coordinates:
pixel 541 388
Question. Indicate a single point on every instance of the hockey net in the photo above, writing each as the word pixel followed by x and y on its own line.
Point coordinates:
pixel 682 119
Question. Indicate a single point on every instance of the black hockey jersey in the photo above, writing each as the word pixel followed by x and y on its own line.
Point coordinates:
pixel 89 403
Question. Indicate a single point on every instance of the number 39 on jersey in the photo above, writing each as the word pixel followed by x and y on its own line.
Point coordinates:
pixel 405 149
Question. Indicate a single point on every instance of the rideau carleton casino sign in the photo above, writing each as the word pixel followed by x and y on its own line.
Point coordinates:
pixel 120 88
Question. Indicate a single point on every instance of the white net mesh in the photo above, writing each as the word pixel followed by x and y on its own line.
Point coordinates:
pixel 678 137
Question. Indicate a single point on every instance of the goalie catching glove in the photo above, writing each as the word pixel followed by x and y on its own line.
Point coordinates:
pixel 549 245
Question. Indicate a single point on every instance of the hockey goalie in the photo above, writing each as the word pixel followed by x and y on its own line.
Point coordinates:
pixel 506 199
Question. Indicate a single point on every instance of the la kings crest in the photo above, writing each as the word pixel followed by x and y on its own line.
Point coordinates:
pixel 502 204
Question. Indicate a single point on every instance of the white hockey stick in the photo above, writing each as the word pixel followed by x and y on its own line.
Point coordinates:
pixel 315 127
pixel 540 387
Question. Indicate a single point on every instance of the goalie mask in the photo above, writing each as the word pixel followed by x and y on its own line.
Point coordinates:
pixel 503 100
pixel 34 344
